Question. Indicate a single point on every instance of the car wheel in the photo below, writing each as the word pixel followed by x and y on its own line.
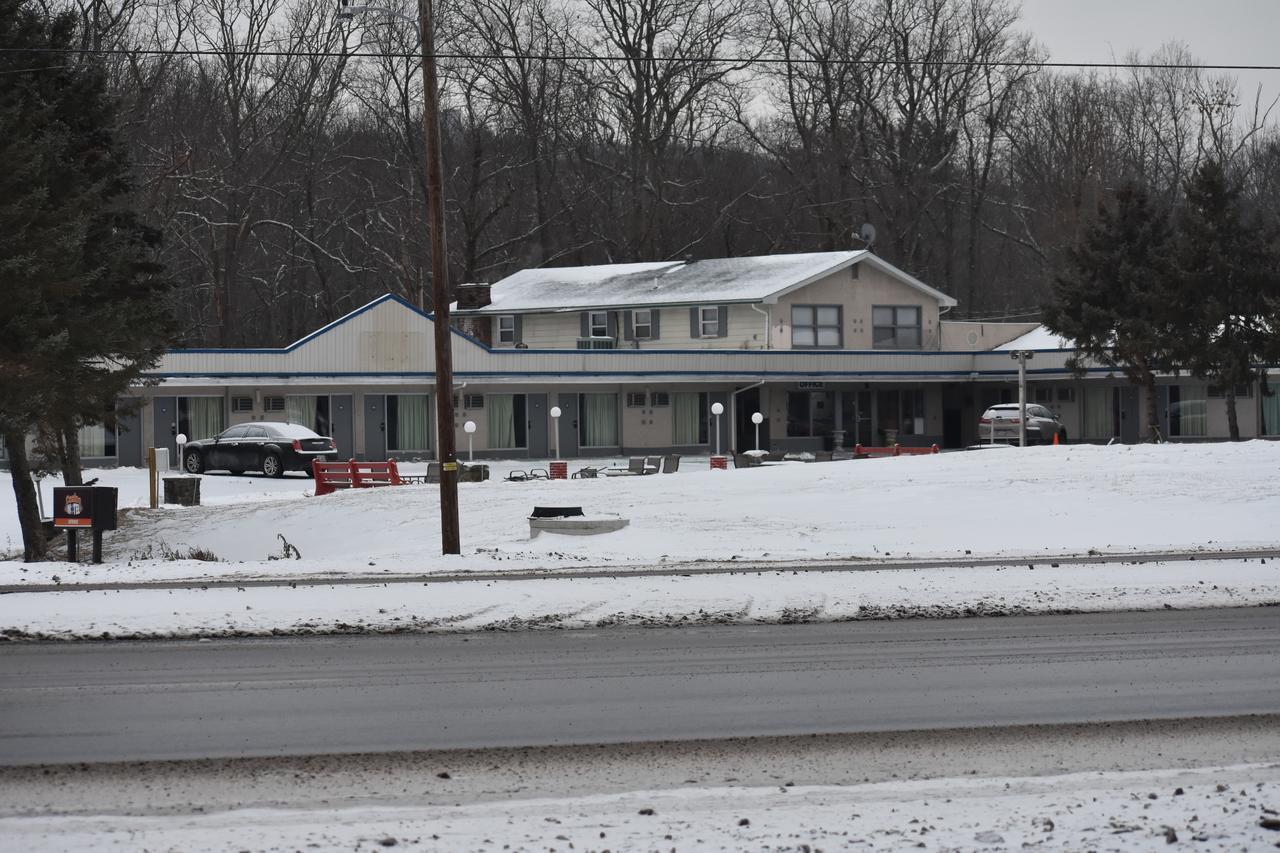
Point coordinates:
pixel 193 463
pixel 271 465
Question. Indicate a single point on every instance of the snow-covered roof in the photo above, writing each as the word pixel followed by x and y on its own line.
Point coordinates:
pixel 755 279
pixel 1038 338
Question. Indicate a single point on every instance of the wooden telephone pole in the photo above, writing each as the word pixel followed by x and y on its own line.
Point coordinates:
pixel 450 536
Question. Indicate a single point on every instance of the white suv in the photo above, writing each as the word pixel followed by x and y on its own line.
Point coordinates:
pixel 1001 422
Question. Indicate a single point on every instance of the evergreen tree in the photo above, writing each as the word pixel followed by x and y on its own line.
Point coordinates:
pixel 1229 287
pixel 1114 300
pixel 84 304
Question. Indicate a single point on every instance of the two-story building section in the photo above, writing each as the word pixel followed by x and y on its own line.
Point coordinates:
pixel 833 349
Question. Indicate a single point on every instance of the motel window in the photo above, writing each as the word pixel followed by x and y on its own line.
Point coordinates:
pixel 1271 412
pixel 895 327
pixel 507 329
pixel 241 404
pixel 810 414
pixel 901 410
pixel 1188 411
pixel 659 399
pixel 310 411
pixel 689 418
pixel 408 422
pixel 709 321
pixel 642 324
pixel 636 399
pixel 472 401
pixel 200 417
pixel 598 420
pixel 273 404
pixel 598 324
pixel 97 440
pixel 506 418
pixel 816 326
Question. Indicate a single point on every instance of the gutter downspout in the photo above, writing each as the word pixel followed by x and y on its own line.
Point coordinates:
pixel 768 326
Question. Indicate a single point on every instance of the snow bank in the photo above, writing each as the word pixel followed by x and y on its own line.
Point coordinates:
pixel 1037 501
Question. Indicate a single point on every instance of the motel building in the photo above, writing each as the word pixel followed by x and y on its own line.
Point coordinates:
pixel 834 349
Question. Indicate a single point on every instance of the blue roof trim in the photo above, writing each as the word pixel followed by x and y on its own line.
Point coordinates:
pixel 755 374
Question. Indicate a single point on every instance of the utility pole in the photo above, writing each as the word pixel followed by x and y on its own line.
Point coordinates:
pixel 450 538
pixel 1021 356
pixel 450 535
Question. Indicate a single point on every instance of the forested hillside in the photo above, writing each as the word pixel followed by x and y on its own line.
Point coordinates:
pixel 280 148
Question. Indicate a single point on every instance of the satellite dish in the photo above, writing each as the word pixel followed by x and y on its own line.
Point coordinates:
pixel 867 233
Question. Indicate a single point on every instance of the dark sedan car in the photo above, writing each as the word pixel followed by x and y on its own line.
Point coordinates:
pixel 271 448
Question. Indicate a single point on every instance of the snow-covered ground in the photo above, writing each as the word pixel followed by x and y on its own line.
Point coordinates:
pixel 1008 504
pixel 1229 808
pixel 1005 503
pixel 1109 787
pixel 741 598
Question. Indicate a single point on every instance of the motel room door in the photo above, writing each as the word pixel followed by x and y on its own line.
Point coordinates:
pixel 375 428
pixel 535 412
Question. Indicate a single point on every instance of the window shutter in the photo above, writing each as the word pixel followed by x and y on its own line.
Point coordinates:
pixel 519 331
pixel 586 325
pixel 653 318
pixel 628 328
pixel 611 324
pixel 694 330
pixel 722 323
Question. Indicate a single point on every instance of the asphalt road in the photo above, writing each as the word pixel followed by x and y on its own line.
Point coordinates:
pixel 168 700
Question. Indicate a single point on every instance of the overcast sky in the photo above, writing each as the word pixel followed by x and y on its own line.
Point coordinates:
pixel 1219 32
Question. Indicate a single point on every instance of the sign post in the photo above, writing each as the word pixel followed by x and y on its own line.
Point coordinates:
pixel 91 508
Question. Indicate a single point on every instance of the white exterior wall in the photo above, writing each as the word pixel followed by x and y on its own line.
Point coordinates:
pixel 562 331
pixel 857 297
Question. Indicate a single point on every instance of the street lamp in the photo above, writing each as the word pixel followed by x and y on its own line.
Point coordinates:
pixel 555 421
pixel 450 537
pixel 1022 356
pixel 470 428
pixel 757 419
pixel 717 409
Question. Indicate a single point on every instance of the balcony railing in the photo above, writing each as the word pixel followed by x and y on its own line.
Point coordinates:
pixel 596 343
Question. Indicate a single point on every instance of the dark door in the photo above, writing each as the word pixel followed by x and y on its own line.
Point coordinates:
pixel 164 423
pixel 128 434
pixel 952 416
pixel 340 423
pixel 375 428
pixel 1130 420
pixel 535 411
pixel 568 425
pixel 744 427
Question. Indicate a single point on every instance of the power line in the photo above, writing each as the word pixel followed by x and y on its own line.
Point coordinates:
pixel 613 58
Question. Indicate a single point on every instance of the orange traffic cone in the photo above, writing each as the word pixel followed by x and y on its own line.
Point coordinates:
pixel 1055 440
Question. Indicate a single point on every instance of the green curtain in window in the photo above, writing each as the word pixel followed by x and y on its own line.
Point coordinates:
pixel 93 440
pixel 600 420
pixel 411 422
pixel 1271 412
pixel 204 417
pixel 1193 411
pixel 501 410
pixel 301 409
pixel 685 413
pixel 1099 417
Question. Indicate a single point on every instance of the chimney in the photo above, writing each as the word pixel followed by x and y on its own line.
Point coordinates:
pixel 473 295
